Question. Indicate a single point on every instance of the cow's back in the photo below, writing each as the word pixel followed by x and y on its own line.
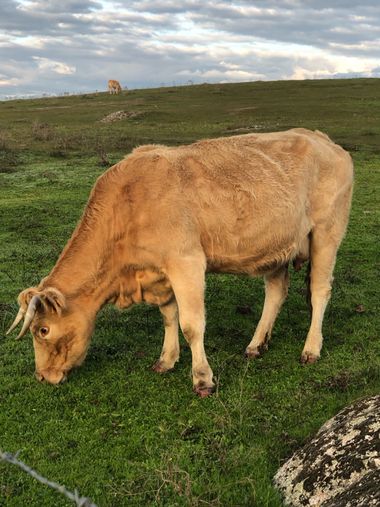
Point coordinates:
pixel 247 201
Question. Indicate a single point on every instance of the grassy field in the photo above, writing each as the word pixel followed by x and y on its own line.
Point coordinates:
pixel 117 431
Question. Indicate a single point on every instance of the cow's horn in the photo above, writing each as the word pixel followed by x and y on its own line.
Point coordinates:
pixel 30 313
pixel 18 318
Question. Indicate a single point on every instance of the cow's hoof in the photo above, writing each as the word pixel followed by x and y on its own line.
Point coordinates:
pixel 203 391
pixel 252 353
pixel 159 367
pixel 308 358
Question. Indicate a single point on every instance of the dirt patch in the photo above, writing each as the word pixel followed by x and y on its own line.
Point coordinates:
pixel 47 108
pixel 240 109
pixel 119 115
pixel 340 382
pixel 252 128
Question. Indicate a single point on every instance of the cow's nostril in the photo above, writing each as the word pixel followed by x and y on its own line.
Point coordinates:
pixel 39 377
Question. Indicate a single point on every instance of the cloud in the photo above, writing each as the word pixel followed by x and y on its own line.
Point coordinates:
pixel 76 45
pixel 44 64
pixel 61 6
pixel 5 81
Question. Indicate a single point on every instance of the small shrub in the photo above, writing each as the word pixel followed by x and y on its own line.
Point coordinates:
pixel 57 153
pixel 51 176
pixel 8 161
pixel 63 143
pixel 42 131
pixel 4 140
pixel 7 169
pixel 350 146
pixel 124 142
pixel 103 157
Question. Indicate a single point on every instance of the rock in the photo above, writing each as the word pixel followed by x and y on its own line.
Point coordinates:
pixel 119 115
pixel 340 466
pixel 363 493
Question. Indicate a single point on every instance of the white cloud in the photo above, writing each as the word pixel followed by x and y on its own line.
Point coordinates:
pixel 227 75
pixel 31 42
pixel 44 64
pixel 325 64
pixel 4 81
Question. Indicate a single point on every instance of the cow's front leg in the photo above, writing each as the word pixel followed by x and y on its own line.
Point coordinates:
pixel 276 290
pixel 170 350
pixel 187 277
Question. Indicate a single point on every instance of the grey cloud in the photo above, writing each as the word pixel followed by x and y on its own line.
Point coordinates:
pixel 64 6
pixel 57 19
pixel 310 22
pixel 166 6
pixel 303 22
pixel 20 21
pixel 316 27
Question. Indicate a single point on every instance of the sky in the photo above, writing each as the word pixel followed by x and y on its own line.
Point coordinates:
pixel 75 46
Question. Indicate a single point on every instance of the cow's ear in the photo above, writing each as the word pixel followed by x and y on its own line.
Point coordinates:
pixel 25 297
pixel 53 299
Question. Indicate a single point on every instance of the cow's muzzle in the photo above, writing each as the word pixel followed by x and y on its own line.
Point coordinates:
pixel 51 376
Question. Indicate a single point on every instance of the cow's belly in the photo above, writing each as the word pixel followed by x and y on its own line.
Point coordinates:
pixel 250 262
pixel 253 255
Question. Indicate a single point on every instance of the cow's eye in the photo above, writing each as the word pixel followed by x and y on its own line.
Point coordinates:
pixel 44 331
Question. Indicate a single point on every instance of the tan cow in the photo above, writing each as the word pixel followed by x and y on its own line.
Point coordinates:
pixel 114 87
pixel 157 221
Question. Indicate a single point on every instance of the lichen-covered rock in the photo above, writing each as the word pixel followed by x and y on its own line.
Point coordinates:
pixel 119 115
pixel 363 493
pixel 340 467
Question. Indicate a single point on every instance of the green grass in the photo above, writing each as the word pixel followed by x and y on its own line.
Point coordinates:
pixel 118 432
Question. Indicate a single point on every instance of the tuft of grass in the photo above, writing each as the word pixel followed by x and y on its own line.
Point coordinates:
pixel 118 432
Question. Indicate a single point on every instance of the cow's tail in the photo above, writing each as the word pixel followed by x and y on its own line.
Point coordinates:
pixel 307 274
pixel 308 291
pixel 303 256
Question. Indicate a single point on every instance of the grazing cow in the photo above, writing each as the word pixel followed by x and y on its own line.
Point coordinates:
pixel 114 87
pixel 157 221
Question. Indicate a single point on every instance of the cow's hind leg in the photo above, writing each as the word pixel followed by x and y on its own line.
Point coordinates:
pixel 324 248
pixel 170 350
pixel 187 277
pixel 276 290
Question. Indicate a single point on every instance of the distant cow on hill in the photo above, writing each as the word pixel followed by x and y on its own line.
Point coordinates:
pixel 114 87
pixel 157 221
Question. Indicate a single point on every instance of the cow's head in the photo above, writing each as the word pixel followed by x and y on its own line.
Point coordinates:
pixel 61 332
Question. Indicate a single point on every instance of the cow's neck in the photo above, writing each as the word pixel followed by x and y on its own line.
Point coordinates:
pixel 88 279
pixel 86 270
